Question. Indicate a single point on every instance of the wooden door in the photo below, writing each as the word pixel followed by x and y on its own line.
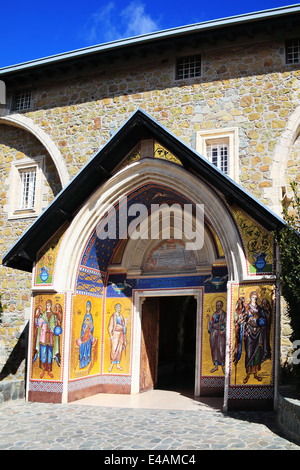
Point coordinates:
pixel 149 344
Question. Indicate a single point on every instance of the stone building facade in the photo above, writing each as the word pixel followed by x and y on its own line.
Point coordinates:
pixel 246 98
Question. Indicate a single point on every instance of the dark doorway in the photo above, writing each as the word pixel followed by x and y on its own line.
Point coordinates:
pixel 168 347
pixel 177 343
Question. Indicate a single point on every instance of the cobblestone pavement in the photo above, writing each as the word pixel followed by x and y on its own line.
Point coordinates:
pixel 38 426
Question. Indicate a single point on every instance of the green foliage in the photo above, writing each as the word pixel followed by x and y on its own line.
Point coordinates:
pixel 288 241
pixel 289 245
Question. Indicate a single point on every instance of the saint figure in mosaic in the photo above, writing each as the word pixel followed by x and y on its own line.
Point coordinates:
pixel 252 327
pixel 216 326
pixel 47 330
pixel 86 338
pixel 117 329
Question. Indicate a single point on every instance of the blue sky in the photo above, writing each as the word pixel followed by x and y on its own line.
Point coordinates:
pixel 34 29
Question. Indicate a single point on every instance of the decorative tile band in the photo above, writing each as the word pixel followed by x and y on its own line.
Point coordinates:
pixel 212 382
pixel 249 393
pixel 56 387
pixel 103 379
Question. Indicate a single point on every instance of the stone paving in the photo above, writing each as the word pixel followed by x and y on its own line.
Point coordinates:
pixel 38 426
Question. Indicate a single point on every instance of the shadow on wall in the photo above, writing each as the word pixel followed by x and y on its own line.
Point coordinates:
pixel 17 356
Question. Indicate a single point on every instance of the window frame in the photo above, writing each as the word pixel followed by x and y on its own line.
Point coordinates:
pixel 27 193
pixel 14 101
pixel 218 145
pixel 229 135
pixel 15 196
pixel 286 51
pixel 187 56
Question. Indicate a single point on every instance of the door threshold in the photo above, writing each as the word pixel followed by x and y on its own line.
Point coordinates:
pixel 154 399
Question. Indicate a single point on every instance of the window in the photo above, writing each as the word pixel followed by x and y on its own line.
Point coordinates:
pixel 22 99
pixel 221 148
pixel 188 67
pixel 292 51
pixel 217 153
pixel 25 189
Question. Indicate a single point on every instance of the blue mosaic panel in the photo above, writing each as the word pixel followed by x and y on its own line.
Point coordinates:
pixel 89 282
pixel 119 286
pixel 98 253
pixel 169 282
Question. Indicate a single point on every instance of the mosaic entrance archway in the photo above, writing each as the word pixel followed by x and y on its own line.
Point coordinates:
pixel 87 330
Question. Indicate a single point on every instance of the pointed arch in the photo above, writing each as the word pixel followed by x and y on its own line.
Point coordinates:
pixel 128 179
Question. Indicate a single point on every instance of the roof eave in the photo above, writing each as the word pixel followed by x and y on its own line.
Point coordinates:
pixel 148 38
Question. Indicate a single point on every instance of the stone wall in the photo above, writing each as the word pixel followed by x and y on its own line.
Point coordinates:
pixel 288 416
pixel 247 86
pixel 17 145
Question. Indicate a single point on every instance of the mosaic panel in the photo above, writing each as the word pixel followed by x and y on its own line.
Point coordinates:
pixel 213 328
pixel 98 253
pixel 47 337
pixel 117 336
pixel 164 154
pixel 45 267
pixel 258 243
pixel 89 282
pixel 252 335
pixel 170 256
pixel 86 336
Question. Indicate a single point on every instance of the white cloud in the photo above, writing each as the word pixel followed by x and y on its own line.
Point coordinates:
pixel 138 22
pixel 110 23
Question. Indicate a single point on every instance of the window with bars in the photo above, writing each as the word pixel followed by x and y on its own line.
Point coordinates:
pixel 292 50
pixel 27 189
pixel 188 67
pixel 25 198
pixel 218 154
pixel 22 99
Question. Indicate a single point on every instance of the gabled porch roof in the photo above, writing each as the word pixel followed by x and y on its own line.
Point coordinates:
pixel 99 169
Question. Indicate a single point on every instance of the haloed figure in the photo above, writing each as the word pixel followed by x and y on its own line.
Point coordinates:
pixel 256 336
pixel 217 329
pixel 86 338
pixel 117 328
pixel 46 339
